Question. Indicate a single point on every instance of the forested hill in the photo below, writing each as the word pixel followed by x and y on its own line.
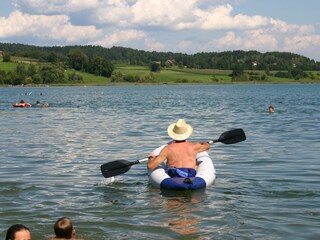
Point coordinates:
pixel 250 60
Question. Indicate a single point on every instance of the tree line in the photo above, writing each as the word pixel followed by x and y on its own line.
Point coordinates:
pixel 25 74
pixel 54 61
pixel 247 60
pixel 51 68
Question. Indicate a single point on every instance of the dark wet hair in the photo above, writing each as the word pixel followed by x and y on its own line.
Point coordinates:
pixel 13 229
pixel 63 228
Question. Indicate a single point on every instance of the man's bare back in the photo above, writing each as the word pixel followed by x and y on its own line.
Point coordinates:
pixel 179 154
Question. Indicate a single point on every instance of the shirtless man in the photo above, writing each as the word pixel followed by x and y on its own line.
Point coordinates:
pixel 180 154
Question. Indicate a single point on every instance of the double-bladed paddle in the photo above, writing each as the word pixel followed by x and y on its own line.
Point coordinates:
pixel 118 167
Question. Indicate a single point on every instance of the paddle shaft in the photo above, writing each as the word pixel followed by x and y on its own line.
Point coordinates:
pixel 139 161
pixel 213 141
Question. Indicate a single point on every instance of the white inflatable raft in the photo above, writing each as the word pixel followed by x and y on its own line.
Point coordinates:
pixel 205 175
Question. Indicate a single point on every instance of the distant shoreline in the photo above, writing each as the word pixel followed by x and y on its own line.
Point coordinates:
pixel 124 74
pixel 157 84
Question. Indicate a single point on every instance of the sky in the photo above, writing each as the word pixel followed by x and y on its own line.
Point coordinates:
pixel 180 26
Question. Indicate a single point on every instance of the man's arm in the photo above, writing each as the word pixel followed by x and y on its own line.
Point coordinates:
pixel 202 146
pixel 155 161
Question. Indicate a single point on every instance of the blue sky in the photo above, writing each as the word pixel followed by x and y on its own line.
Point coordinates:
pixel 187 26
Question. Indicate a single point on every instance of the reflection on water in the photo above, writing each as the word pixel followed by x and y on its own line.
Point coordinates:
pixel 50 161
pixel 181 210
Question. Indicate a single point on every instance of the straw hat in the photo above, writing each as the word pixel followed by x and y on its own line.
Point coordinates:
pixel 180 130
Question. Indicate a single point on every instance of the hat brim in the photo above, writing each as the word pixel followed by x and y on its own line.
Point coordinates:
pixel 179 137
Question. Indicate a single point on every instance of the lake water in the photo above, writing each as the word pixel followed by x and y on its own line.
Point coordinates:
pixel 267 187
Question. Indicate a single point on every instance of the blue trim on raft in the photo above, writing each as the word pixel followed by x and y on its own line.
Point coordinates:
pixel 190 183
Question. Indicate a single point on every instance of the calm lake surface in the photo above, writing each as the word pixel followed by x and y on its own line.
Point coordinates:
pixel 267 187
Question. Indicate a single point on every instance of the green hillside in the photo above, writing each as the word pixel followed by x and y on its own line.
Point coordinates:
pixel 17 71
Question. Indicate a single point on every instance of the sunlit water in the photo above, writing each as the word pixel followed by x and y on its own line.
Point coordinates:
pixel 267 187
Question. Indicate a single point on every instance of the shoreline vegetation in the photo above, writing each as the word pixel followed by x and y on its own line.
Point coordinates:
pixel 141 75
pixel 167 77
pixel 77 69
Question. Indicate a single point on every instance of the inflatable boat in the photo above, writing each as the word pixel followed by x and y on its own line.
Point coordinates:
pixel 21 105
pixel 205 175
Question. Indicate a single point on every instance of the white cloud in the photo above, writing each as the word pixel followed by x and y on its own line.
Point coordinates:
pixel 112 11
pixel 220 18
pixel 278 26
pixel 251 40
pixel 130 36
pixel 170 14
pixel 229 40
pixel 148 23
pixel 254 40
pixel 55 27
pixel 119 37
pixel 162 13
pixel 144 13
pixel 259 40
pixel 306 45
pixel 54 6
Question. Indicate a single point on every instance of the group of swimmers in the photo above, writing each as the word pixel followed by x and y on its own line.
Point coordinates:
pixel 22 103
pixel 63 229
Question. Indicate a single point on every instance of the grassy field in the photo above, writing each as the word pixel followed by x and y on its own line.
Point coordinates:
pixel 205 76
pixel 175 75
pixel 12 65
pixel 7 66
pixel 165 76
pixel 90 79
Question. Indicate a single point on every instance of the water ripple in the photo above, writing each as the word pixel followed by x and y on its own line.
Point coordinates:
pixel 50 161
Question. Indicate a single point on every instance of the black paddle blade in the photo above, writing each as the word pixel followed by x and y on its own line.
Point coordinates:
pixel 232 136
pixel 115 168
